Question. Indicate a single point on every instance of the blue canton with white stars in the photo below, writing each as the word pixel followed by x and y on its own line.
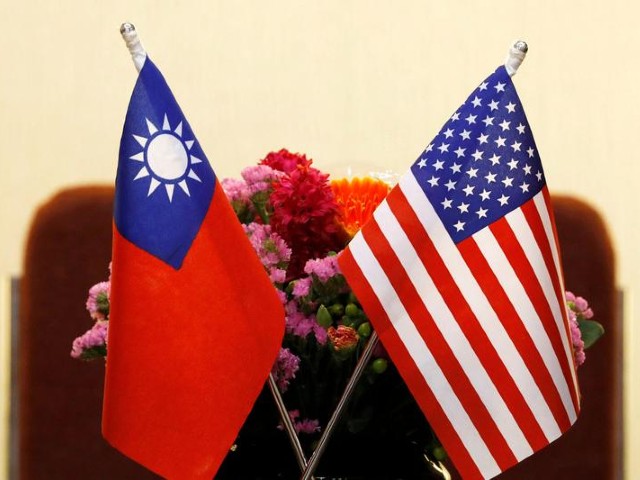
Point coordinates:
pixel 484 162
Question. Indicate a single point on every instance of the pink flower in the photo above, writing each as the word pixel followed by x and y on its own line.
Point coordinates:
pixel 235 190
pixel 301 325
pixel 92 343
pixel 323 268
pixel 271 249
pixel 285 368
pixel 301 287
pixel 260 178
pixel 576 338
pixel 98 301
pixel 305 425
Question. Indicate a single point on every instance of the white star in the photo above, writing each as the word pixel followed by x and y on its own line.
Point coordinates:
pixel 493 105
pixel 468 190
pixel 465 134
pixel 471 119
pixel 455 168
pixel 495 159
pixel 463 207
pixel 516 146
pixel 448 133
pixel 520 128
pixel 524 187
pixel 482 212
pixel 455 116
pixel 505 125
pixel 503 200
pixel 511 107
pixel 422 163
pixel 472 172
pixel 539 175
pixel 446 203
pixel 459 226
pixel 429 148
pixel 483 138
pixel 438 165
pixel 513 164
pixel 527 169
pixel 488 121
pixel 491 177
pixel 444 147
pixel 500 87
pixel 476 102
pixel 500 142
pixel 460 152
pixel 530 152
pixel 433 181
pixel 508 182
pixel 483 86
pixel 484 195
pixel 450 185
pixel 477 155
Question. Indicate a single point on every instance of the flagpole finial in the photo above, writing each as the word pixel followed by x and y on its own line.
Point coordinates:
pixel 516 55
pixel 131 39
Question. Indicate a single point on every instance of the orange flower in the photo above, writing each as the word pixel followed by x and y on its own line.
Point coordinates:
pixel 357 199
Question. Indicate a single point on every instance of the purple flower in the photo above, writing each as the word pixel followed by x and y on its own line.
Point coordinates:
pixel 235 190
pixel 91 340
pixel 302 287
pixel 306 425
pixel 285 368
pixel 271 249
pixel 301 325
pixel 260 178
pixel 323 268
pixel 98 301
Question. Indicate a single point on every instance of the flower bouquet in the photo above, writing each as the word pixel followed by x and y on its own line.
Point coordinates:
pixel 298 221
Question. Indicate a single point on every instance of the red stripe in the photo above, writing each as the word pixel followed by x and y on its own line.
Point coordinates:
pixel 438 345
pixel 473 330
pixel 407 367
pixel 537 228
pixel 515 328
pixel 515 254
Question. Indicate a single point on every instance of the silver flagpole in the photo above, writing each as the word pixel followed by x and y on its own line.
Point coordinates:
pixel 337 413
pixel 514 59
pixel 139 55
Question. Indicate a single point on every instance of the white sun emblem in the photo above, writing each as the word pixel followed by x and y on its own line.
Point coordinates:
pixel 166 158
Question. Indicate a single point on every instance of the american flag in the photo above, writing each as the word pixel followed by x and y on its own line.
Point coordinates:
pixel 459 271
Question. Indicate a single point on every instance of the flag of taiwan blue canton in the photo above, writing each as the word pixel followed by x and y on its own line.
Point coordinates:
pixel 189 298
pixel 459 271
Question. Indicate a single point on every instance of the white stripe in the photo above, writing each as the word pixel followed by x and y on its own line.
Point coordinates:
pixel 481 307
pixel 526 239
pixel 423 357
pixel 541 206
pixel 452 333
pixel 509 281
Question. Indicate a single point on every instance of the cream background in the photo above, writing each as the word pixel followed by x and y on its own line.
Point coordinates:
pixel 345 81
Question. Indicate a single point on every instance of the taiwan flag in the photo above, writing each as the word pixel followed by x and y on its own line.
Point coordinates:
pixel 195 324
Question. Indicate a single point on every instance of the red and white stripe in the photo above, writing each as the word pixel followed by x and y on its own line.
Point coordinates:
pixel 478 330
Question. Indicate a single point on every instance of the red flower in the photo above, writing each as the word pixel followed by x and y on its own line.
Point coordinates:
pixel 343 338
pixel 305 213
pixel 285 161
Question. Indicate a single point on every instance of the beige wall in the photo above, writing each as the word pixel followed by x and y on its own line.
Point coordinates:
pixel 344 81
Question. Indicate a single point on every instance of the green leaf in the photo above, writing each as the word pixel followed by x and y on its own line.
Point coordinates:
pixel 591 331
